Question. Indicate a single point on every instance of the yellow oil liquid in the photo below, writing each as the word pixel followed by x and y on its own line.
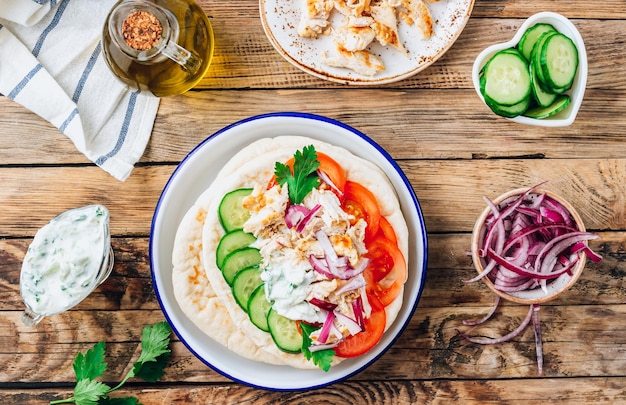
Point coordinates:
pixel 163 76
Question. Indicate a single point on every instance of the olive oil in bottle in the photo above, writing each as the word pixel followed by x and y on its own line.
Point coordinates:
pixel 160 46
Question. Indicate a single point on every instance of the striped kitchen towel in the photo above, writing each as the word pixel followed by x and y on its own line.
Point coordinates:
pixel 51 62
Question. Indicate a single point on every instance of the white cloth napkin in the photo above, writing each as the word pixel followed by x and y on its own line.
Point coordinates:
pixel 51 62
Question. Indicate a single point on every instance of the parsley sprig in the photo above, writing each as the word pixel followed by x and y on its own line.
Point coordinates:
pixel 321 358
pixel 149 367
pixel 304 177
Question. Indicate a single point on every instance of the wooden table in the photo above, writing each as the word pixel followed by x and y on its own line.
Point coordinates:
pixel 452 149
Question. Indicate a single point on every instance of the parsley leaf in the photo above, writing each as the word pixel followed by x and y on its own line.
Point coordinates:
pixel 154 353
pixel 304 177
pixel 149 367
pixel 321 358
pixel 90 365
pixel 151 371
pixel 87 391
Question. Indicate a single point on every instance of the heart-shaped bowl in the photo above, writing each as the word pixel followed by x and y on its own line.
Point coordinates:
pixel 562 24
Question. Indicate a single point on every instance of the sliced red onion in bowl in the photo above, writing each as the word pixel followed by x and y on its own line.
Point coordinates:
pixel 544 252
pixel 534 235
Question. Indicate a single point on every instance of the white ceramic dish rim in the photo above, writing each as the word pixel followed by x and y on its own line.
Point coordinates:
pixel 179 183
pixel 564 25
pixel 294 48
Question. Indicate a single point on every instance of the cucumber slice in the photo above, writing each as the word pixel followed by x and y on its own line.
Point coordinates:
pixel 506 78
pixel 231 212
pixel 534 60
pixel 512 110
pixel 530 37
pixel 230 242
pixel 543 98
pixel 244 284
pixel 559 61
pixel 258 308
pixel 284 332
pixel 239 260
pixel 544 112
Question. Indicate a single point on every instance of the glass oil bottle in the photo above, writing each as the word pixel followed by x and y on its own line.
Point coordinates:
pixel 160 46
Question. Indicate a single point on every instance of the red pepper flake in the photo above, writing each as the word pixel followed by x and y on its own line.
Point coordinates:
pixel 141 30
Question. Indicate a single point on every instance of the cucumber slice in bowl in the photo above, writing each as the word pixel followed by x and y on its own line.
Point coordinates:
pixel 542 97
pixel 531 36
pixel 535 61
pixel 559 105
pixel 558 59
pixel 506 78
pixel 512 110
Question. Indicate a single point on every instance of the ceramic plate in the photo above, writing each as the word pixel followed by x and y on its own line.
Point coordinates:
pixel 196 172
pixel 280 21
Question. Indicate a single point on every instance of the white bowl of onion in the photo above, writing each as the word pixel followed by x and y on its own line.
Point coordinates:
pixel 530 245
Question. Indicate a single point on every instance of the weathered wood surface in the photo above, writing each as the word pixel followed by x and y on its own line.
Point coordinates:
pixel 453 151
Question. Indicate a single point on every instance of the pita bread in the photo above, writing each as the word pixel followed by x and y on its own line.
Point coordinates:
pixel 199 287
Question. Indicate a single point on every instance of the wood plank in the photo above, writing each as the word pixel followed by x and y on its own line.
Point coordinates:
pixel 406 127
pixel 595 188
pixel 130 287
pixel 589 335
pixel 600 391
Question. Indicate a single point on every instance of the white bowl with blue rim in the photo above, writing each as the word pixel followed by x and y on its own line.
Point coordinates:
pixel 194 175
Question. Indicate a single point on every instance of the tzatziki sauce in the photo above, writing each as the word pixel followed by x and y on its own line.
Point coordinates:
pixel 67 259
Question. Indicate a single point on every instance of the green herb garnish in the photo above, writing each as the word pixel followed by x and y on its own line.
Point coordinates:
pixel 321 358
pixel 149 367
pixel 304 177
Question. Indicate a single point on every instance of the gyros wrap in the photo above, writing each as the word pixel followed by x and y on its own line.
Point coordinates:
pixel 200 289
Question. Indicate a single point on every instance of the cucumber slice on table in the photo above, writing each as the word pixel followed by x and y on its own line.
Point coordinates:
pixel 244 284
pixel 239 260
pixel 258 308
pixel 231 212
pixel 560 104
pixel 284 332
pixel 559 61
pixel 530 37
pixel 506 78
pixel 230 242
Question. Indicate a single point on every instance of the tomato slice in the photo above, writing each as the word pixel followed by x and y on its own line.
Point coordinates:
pixel 386 230
pixel 386 272
pixel 328 165
pixel 334 171
pixel 360 201
pixel 356 345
